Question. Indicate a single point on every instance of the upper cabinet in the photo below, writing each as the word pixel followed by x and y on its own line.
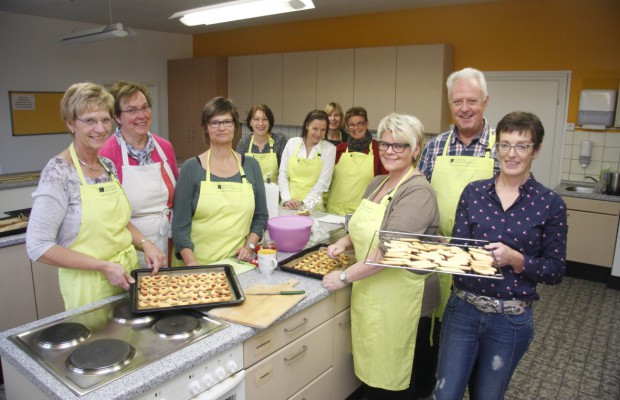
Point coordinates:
pixel 406 79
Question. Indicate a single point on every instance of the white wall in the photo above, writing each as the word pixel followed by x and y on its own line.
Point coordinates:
pixel 33 59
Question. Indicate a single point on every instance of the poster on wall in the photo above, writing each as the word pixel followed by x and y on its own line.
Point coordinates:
pixel 36 113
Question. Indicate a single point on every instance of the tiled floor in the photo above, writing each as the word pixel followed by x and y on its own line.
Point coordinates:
pixel 575 354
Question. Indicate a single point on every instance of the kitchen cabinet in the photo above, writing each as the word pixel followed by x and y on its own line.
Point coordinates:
pixel 375 78
pixel 592 230
pixel 298 86
pixel 191 83
pixel 267 83
pixel 46 289
pixel 421 73
pixel 240 88
pixel 345 381
pixel 16 289
pixel 318 389
pixel 334 78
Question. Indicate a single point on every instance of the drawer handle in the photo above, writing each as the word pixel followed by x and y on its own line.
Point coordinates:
pixel 302 351
pixel 344 323
pixel 287 330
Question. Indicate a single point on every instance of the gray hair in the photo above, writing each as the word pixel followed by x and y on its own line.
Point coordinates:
pixel 404 128
pixel 468 73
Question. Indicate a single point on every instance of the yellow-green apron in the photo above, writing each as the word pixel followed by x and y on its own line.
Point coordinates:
pixel 450 176
pixel 303 174
pixel 351 177
pixel 385 308
pixel 103 235
pixel 223 217
pixel 268 161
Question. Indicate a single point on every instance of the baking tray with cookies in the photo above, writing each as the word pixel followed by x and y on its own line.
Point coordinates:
pixel 429 253
pixel 185 287
pixel 313 262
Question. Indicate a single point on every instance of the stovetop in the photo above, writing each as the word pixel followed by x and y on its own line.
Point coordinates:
pixel 88 350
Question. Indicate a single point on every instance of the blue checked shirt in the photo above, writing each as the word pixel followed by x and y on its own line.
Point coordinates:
pixel 476 148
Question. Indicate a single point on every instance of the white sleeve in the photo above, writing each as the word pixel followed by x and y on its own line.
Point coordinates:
pixel 328 155
pixel 285 193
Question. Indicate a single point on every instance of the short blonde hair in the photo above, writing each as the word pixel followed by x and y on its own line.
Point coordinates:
pixel 335 107
pixel 405 128
pixel 83 97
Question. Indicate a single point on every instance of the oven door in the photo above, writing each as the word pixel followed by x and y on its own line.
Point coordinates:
pixel 231 388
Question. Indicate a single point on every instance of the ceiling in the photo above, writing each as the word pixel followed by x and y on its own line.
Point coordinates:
pixel 154 14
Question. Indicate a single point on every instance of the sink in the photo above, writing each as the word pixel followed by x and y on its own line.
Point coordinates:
pixel 580 189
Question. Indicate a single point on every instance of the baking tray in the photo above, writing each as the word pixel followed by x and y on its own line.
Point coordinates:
pixel 233 282
pixel 285 264
pixel 16 213
pixel 381 237
pixel 11 232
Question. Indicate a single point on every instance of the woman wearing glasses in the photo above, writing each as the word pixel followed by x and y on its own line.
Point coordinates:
pixel 146 164
pixel 487 325
pixel 219 204
pixel 263 145
pixel 357 162
pixel 307 164
pixel 335 131
pixel 390 307
pixel 80 216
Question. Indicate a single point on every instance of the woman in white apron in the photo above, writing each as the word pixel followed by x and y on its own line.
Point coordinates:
pixel 80 216
pixel 220 209
pixel 263 145
pixel 307 164
pixel 357 162
pixel 146 164
pixel 335 131
pixel 387 303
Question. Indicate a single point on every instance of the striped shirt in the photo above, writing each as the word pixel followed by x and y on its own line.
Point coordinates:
pixel 477 148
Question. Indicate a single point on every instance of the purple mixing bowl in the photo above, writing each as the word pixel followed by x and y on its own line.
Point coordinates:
pixel 290 232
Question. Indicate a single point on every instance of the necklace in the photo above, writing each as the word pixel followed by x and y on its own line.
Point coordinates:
pixel 88 166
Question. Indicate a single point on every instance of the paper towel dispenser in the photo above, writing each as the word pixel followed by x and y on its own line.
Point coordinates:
pixel 596 107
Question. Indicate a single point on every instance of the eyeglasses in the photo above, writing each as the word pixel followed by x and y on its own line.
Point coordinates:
pixel 92 122
pixel 356 125
pixel 227 123
pixel 520 148
pixel 135 111
pixel 397 147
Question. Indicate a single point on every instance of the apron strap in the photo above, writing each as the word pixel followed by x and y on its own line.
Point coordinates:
pixel 270 143
pixel 76 164
pixel 241 170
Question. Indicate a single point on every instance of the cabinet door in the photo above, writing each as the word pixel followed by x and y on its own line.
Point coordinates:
pixel 318 389
pixel 334 78
pixel 375 82
pixel 267 83
pixel 240 83
pixel 298 86
pixel 47 290
pixel 16 289
pixel 181 93
pixel 420 84
pixel 345 381
pixel 291 368
pixel 591 237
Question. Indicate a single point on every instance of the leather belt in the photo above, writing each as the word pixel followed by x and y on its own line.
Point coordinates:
pixel 489 305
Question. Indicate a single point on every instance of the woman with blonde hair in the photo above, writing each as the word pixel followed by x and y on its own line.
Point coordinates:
pixel 336 133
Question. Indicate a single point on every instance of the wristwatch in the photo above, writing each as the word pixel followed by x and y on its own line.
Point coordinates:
pixel 343 277
pixel 251 245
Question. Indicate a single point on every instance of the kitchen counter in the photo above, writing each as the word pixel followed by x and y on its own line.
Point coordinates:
pixel 561 190
pixel 12 240
pixel 156 373
pixel 10 181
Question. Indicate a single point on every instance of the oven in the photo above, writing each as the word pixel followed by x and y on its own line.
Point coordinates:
pixel 88 350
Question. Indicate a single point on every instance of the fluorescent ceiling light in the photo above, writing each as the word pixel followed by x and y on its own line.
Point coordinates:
pixel 99 33
pixel 240 9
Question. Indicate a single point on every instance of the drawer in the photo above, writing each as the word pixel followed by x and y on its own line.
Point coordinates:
pixel 595 206
pixel 318 389
pixel 282 333
pixel 343 298
pixel 345 381
pixel 289 369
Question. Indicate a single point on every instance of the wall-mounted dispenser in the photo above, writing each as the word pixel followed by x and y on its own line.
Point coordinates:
pixel 596 108
pixel 586 153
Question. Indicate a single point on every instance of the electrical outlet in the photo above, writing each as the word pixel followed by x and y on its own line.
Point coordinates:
pixel 570 126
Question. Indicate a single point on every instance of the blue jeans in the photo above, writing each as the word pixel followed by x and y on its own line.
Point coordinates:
pixel 492 343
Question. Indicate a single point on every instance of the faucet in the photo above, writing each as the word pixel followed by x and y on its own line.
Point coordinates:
pixel 587 176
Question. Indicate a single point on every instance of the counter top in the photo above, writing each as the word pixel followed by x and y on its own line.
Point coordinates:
pixel 10 181
pixel 12 240
pixel 561 190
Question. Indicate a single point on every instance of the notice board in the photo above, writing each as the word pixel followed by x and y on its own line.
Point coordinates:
pixel 36 113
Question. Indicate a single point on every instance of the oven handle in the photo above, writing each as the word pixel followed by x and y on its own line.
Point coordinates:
pixel 215 392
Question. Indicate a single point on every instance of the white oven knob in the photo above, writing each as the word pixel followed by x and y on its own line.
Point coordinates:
pixel 220 373
pixel 207 380
pixel 195 388
pixel 232 366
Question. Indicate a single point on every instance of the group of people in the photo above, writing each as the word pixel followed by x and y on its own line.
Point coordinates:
pixel 110 203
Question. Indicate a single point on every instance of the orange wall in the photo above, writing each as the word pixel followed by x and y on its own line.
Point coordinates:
pixel 582 36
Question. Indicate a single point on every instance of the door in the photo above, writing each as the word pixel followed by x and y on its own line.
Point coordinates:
pixel 544 94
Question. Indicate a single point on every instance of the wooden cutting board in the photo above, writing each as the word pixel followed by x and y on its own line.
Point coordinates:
pixel 260 311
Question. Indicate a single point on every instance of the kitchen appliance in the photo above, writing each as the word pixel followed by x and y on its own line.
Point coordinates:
pixel 613 185
pixel 88 350
pixel 290 232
